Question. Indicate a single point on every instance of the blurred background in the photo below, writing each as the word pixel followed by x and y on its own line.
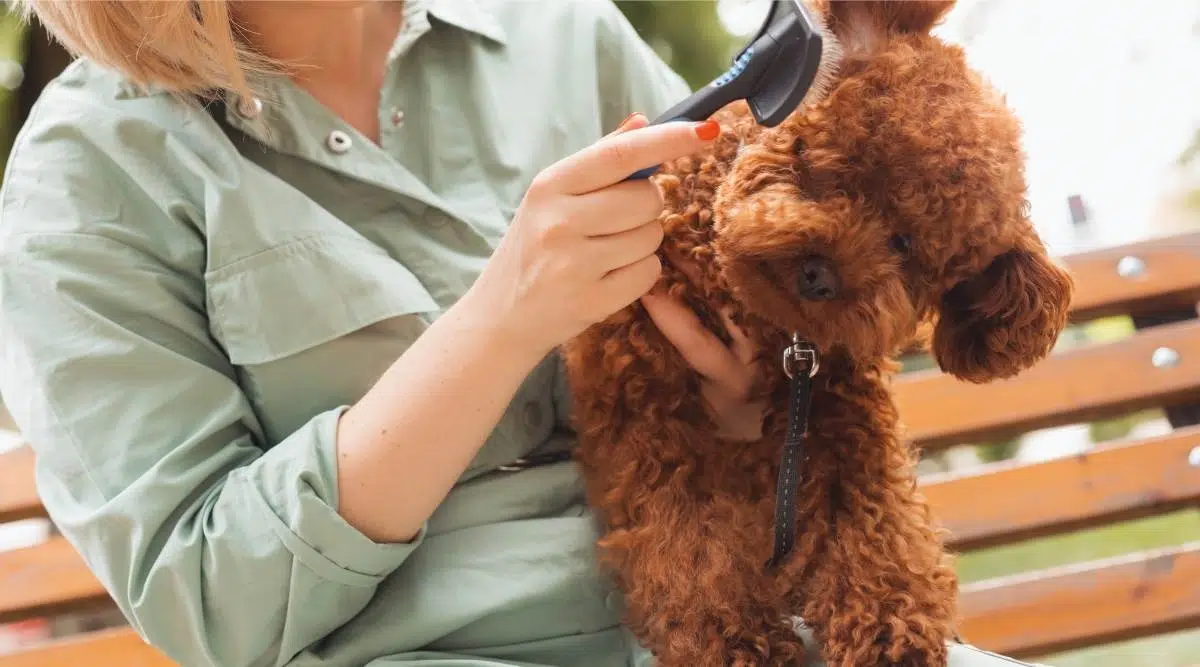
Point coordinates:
pixel 1111 105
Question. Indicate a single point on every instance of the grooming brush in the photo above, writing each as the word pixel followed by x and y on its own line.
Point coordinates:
pixel 773 72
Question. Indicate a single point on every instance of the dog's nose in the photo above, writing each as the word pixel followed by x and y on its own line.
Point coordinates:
pixel 818 281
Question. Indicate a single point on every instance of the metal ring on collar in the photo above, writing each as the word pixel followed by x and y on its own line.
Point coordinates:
pixel 801 351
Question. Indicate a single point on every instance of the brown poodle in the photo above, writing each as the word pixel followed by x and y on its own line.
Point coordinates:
pixel 893 203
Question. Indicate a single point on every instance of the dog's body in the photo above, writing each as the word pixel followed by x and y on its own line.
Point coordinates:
pixel 893 204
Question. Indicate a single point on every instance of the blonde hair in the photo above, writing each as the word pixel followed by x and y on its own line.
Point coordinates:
pixel 188 47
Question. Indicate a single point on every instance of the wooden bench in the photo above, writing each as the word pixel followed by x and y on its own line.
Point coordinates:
pixel 1028 614
pixel 1157 285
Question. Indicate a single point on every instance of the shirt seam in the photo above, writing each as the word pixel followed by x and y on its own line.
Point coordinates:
pixel 216 273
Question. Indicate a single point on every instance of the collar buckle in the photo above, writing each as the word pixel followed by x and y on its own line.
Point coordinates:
pixel 801 356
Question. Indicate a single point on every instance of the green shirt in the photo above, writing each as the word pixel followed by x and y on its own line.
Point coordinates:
pixel 189 297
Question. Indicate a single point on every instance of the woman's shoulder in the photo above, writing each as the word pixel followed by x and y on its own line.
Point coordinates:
pixel 94 146
pixel 102 175
pixel 90 104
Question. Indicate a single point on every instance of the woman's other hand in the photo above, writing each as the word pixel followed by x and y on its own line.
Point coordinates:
pixel 582 243
pixel 726 372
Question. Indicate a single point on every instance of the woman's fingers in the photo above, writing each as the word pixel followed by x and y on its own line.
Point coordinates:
pixel 685 266
pixel 620 250
pixel 742 347
pixel 739 419
pixel 635 278
pixel 703 351
pixel 615 209
pixel 632 122
pixel 614 158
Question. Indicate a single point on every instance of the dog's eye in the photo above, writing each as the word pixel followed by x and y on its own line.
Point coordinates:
pixel 902 243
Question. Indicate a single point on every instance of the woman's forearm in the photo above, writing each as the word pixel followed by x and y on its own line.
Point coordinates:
pixel 581 246
pixel 401 448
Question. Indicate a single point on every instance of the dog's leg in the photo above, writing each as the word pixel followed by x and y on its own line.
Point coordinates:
pixel 883 592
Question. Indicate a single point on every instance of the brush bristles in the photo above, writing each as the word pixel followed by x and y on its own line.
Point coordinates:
pixel 831 60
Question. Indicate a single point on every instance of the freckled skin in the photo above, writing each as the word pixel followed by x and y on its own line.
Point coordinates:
pixel 908 178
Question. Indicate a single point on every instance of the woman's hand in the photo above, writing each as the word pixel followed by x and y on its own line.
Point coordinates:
pixel 727 373
pixel 582 244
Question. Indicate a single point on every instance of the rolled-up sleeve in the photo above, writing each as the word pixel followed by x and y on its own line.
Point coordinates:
pixel 220 548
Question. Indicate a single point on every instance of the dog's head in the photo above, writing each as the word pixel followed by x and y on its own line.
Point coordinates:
pixel 896 200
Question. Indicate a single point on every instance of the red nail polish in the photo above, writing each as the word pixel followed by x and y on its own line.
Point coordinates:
pixel 708 130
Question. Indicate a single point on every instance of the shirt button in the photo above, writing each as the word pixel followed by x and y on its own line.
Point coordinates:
pixel 249 108
pixel 533 415
pixel 338 142
pixel 397 117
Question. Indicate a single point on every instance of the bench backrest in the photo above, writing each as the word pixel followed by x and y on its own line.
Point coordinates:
pixel 1157 283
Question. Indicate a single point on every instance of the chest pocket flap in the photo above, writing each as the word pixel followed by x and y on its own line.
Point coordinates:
pixel 305 293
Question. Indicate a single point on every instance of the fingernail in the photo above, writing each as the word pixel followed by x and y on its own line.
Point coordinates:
pixel 708 130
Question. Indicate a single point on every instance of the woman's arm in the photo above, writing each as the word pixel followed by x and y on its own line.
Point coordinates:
pixel 581 247
pixel 219 547
pixel 150 459
pixel 450 387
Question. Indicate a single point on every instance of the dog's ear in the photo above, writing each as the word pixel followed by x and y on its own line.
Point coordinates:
pixel 865 21
pixel 1005 319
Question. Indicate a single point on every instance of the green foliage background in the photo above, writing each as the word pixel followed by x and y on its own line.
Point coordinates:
pixel 686 33
pixel 12 56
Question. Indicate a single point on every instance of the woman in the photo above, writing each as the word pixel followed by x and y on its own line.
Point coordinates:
pixel 281 285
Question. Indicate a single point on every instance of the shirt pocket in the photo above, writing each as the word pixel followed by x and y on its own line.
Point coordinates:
pixel 289 319
pixel 293 297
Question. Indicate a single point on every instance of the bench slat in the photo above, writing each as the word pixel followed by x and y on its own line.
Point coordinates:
pixel 18 497
pixel 1011 502
pixel 119 647
pixel 45 579
pixel 1170 279
pixel 1076 385
pixel 1036 613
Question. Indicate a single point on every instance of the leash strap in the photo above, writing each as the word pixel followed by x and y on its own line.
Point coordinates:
pixel 800 363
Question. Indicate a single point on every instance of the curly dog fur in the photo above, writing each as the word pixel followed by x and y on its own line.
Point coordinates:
pixel 905 181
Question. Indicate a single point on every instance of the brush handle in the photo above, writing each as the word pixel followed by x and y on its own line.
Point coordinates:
pixel 705 102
